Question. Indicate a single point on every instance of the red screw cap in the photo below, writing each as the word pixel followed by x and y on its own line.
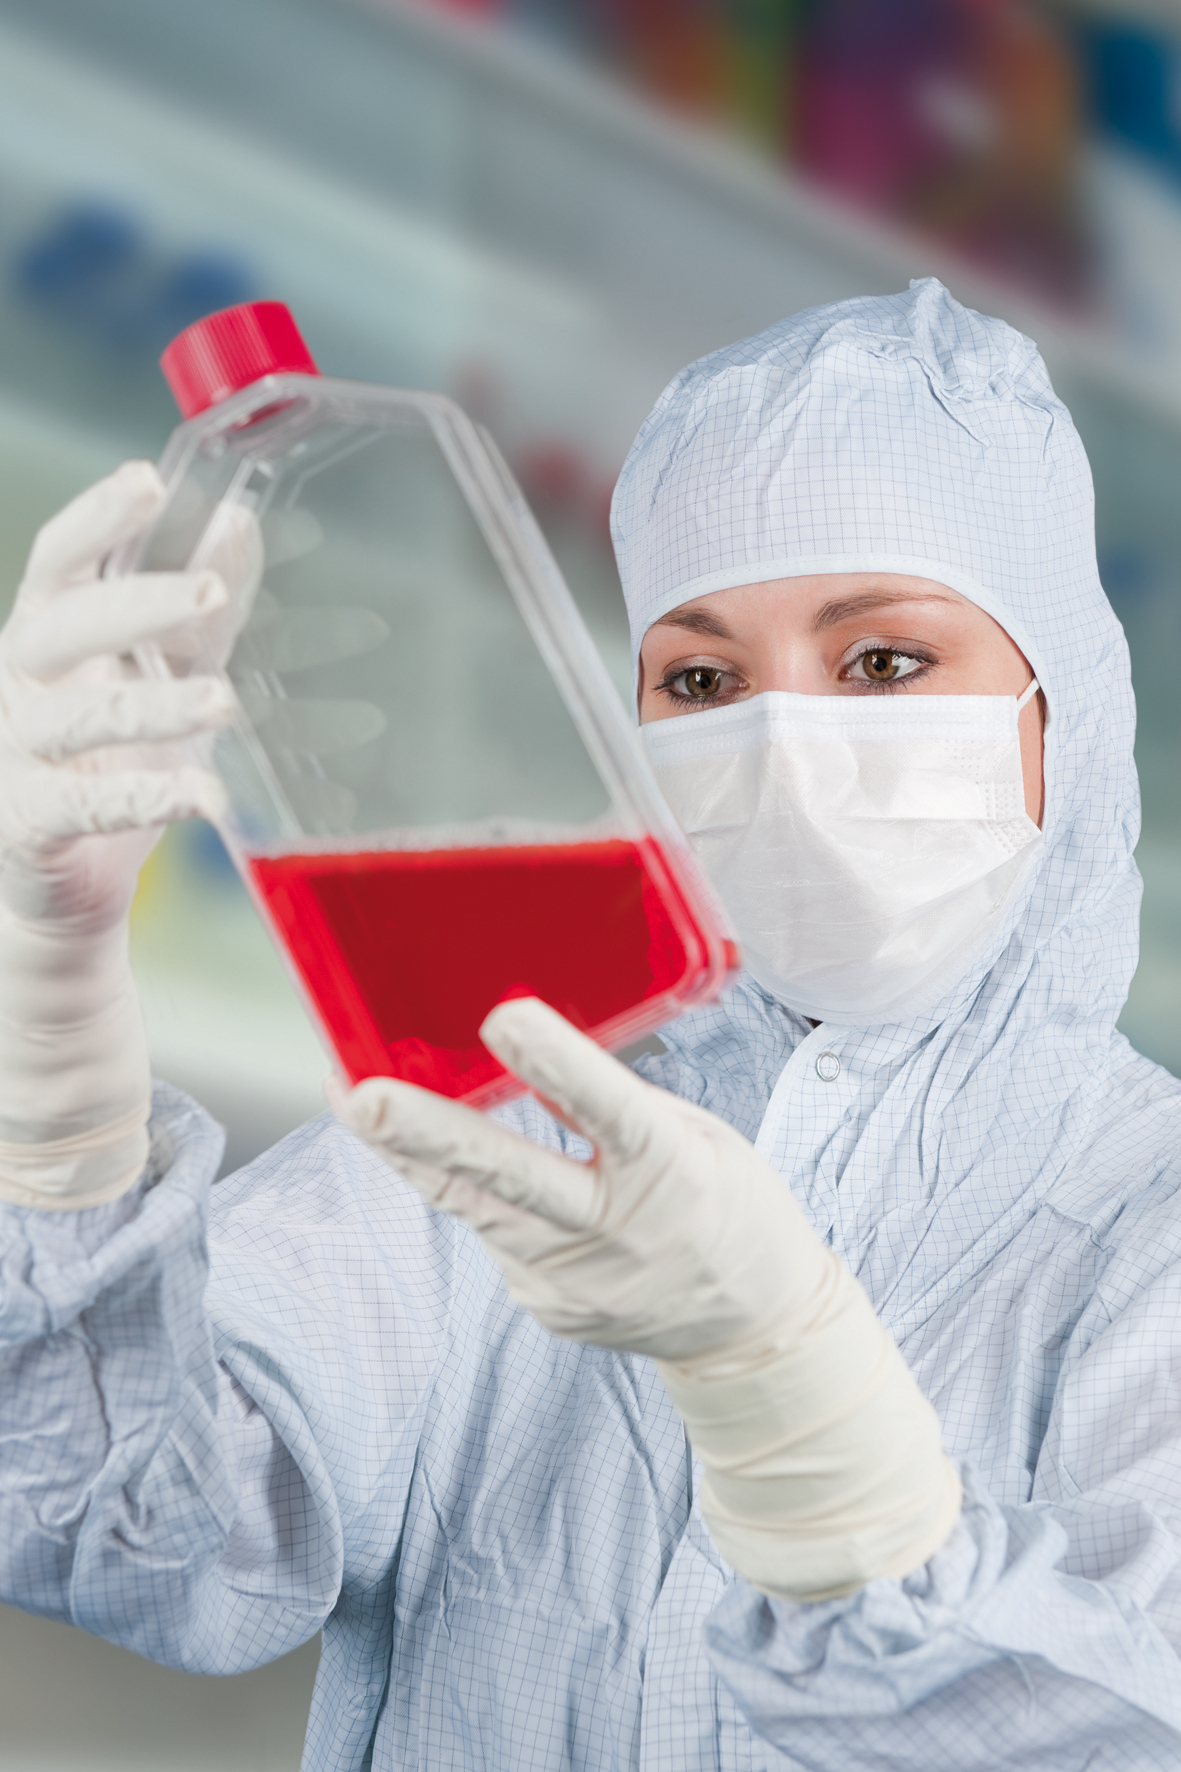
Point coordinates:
pixel 214 357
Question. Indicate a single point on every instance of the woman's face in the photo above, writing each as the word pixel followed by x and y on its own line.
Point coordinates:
pixel 838 633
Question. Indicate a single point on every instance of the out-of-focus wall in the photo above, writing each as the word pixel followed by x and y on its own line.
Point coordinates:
pixel 547 216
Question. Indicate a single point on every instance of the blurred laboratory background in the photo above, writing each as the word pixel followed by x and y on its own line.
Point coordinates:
pixel 546 207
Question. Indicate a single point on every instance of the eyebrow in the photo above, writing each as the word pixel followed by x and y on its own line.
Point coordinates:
pixel 845 608
pixel 697 622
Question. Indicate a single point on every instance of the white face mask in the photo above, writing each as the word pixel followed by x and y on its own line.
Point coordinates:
pixel 864 846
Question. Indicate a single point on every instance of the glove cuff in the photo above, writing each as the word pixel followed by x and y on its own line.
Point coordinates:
pixel 69 1174
pixel 824 1462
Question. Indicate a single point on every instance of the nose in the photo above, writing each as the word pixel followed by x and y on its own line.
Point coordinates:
pixel 797 668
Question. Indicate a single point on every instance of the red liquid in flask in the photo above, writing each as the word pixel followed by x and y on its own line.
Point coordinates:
pixel 405 952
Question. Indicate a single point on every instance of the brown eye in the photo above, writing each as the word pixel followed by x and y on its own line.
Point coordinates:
pixel 702 681
pixel 880 667
pixel 885 666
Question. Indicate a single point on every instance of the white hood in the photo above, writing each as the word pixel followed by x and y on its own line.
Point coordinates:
pixel 907 433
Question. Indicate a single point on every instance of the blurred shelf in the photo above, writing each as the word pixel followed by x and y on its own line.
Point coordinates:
pixel 532 76
pixel 484 200
pixel 382 286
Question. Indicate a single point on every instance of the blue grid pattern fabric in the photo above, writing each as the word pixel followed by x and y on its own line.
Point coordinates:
pixel 305 1400
pixel 892 433
pixel 326 1411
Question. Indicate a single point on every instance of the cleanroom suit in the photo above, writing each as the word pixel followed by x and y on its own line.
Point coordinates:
pixel 306 1401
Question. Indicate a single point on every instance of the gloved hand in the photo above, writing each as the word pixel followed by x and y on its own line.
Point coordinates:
pixel 89 773
pixel 823 1459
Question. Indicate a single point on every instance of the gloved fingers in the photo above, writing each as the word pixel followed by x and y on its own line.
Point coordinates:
pixel 498 1220
pixel 63 722
pixel 112 616
pixel 411 1124
pixel 514 1234
pixel 518 1240
pixel 72 544
pixel 590 1090
pixel 56 802
pixel 232 546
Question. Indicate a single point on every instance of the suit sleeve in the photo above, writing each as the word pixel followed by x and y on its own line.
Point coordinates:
pixel 1046 1634
pixel 209 1410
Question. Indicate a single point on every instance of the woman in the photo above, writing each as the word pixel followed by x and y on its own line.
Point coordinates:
pixel 853 550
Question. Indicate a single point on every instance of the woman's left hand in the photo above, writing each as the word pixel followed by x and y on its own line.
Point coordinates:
pixel 823 1458
pixel 676 1238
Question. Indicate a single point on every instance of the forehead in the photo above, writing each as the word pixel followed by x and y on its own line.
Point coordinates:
pixel 821 601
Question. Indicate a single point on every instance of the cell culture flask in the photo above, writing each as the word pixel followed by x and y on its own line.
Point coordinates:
pixel 434 795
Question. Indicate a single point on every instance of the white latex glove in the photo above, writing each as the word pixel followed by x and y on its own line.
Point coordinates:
pixel 824 1462
pixel 89 773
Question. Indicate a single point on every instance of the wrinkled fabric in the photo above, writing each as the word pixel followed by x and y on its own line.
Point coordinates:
pixel 348 1422
pixel 499 1531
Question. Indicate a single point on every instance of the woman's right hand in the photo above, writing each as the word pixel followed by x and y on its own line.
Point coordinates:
pixel 89 769
pixel 92 766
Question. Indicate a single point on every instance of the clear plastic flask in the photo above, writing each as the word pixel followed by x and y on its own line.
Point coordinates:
pixel 435 796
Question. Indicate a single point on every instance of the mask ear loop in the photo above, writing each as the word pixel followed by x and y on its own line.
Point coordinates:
pixel 1023 701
